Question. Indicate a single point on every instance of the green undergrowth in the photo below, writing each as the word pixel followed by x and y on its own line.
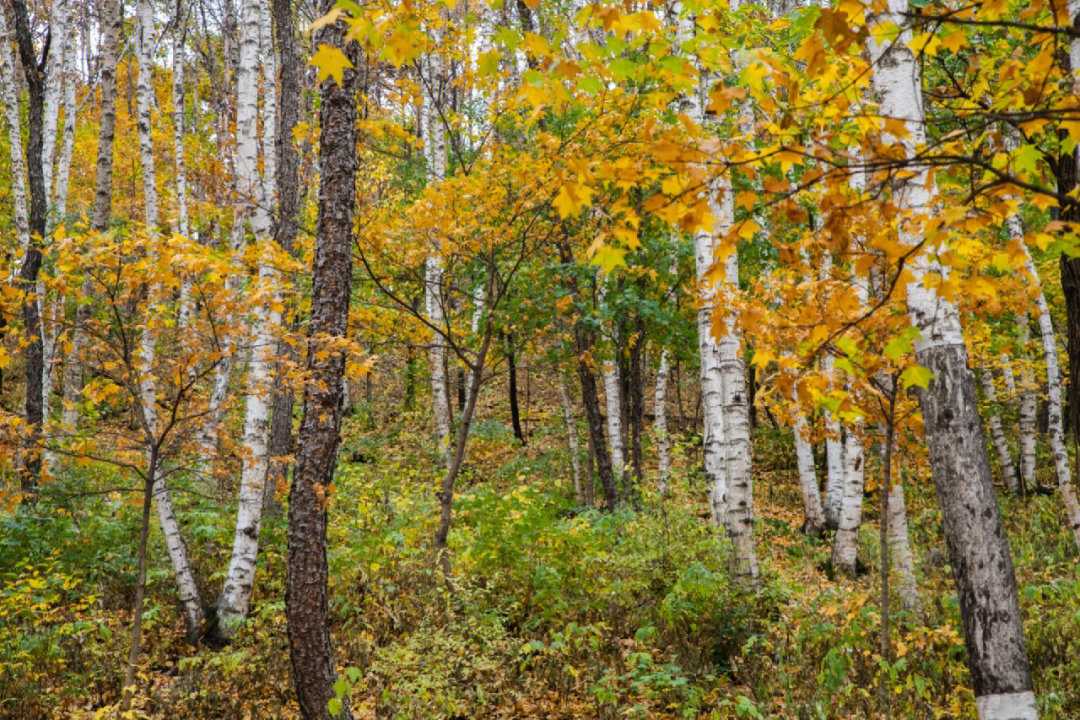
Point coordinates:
pixel 550 610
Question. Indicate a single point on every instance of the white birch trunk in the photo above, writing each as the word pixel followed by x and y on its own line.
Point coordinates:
pixel 712 387
pixel 52 319
pixel 235 596
pixel 435 148
pixel 613 401
pixel 170 528
pixel 110 38
pixel 54 92
pixel 849 519
pixel 609 372
pixel 1055 421
pixel 903 562
pixel 978 550
pixel 571 437
pixel 808 482
pixel 1008 377
pixel 738 453
pixel 834 461
pixel 663 439
pixel 183 227
pixel 9 88
pixel 997 432
pixel 479 303
pixel 1029 406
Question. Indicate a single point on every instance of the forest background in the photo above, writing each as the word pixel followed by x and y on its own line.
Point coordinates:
pixel 539 358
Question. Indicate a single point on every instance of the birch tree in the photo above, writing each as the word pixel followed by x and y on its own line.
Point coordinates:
pixel 435 151
pixel 111 25
pixel 997 432
pixel 170 527
pixel 256 195
pixel 978 550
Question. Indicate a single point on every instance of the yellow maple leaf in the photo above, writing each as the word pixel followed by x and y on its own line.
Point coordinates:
pixel 330 62
pixel 572 198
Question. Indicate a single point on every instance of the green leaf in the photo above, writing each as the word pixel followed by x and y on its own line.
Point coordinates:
pixel 334 707
pixel 897 348
pixel 341 687
pixel 916 375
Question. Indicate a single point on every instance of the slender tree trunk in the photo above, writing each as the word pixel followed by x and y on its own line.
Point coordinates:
pixel 183 228
pixel 31 265
pixel 808 484
pixel 834 463
pixel 512 389
pixel 978 550
pixel 738 451
pixel 435 148
pixel 60 17
pixel 571 437
pixel 53 342
pixel 446 492
pixel 1055 423
pixel 306 607
pixel 9 87
pixel 712 387
pixel 111 22
pixel 170 528
pixel 636 406
pixel 849 520
pixel 584 344
pixel 1029 406
pixel 663 439
pixel 903 562
pixel 997 433
pixel 140 589
pixel 285 230
pixel 613 402
pixel 235 596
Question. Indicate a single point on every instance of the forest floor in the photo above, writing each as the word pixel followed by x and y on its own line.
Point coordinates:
pixel 554 611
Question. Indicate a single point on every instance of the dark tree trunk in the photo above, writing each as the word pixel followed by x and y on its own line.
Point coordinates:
pixel 446 493
pixel 33 404
pixel 982 566
pixel 135 642
pixel 462 383
pixel 751 390
pixel 584 341
pixel 279 445
pixel 306 610
pixel 515 412
pixel 1070 286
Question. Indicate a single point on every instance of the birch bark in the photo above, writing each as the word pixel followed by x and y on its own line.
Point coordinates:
pixel 1029 405
pixel 613 400
pixel 997 433
pixel 102 207
pixel 738 452
pixel 170 528
pixel 808 483
pixel 9 87
pixel 435 148
pixel 571 436
pixel 1053 384
pixel 663 439
pixel 257 195
pixel 978 550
